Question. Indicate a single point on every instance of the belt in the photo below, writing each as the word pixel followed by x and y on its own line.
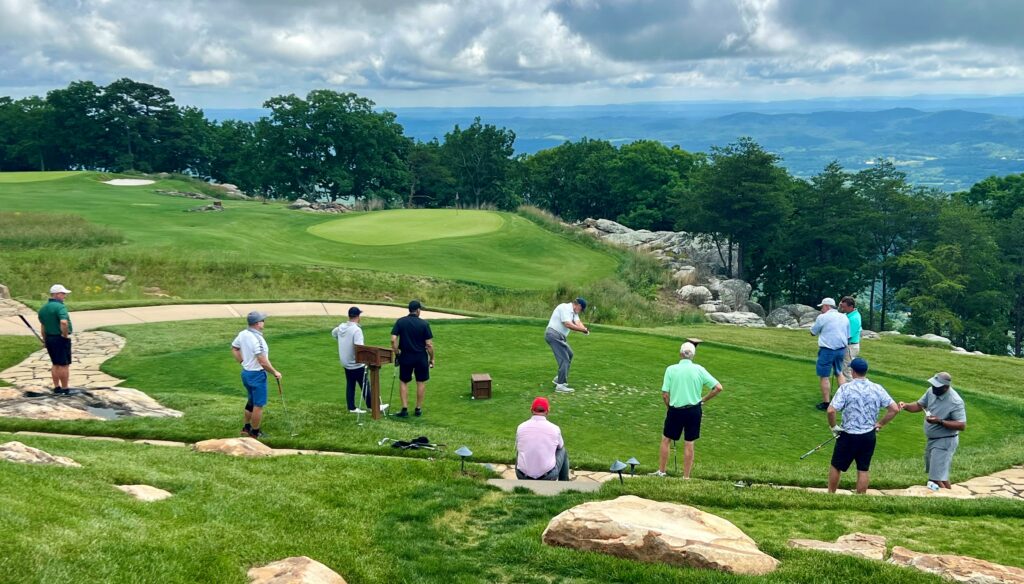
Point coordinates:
pixel 686 407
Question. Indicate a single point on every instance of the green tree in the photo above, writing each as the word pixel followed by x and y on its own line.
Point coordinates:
pixel 480 160
pixel 572 180
pixel 645 177
pixel 431 183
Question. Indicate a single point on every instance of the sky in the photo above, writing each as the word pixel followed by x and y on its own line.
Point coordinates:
pixel 405 53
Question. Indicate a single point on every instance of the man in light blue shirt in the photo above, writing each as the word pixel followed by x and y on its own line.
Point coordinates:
pixel 848 306
pixel 833 331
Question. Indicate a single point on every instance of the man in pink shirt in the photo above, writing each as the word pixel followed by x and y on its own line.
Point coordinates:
pixel 540 446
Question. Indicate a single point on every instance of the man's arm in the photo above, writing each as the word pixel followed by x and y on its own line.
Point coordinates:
pixel 664 398
pixel 394 343
pixel 816 327
pixel 430 350
pixel 237 353
pixel 910 407
pixel 265 363
pixel 576 327
pixel 830 413
pixel 717 389
pixel 890 412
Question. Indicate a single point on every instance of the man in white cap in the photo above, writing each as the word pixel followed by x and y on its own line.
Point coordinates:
pixel 945 418
pixel 56 325
pixel 252 353
pixel 682 391
pixel 833 331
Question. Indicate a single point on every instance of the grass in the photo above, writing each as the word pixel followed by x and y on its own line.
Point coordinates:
pixel 26 177
pixel 519 255
pixel 755 430
pixel 14 349
pixel 20 231
pixel 380 520
pixel 405 226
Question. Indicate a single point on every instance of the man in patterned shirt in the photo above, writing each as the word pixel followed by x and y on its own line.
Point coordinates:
pixel 859 400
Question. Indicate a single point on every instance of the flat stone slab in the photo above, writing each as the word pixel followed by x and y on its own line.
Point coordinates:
pixel 298 570
pixel 15 451
pixel 547 488
pixel 861 545
pixel 958 568
pixel 248 447
pixel 170 443
pixel 145 493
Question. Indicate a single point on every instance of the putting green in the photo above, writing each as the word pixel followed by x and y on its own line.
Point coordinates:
pixel 407 226
pixel 23 177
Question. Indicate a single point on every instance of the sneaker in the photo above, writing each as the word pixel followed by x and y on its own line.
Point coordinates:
pixel 418 412
pixel 255 433
pixel 402 414
pixel 357 411
pixel 563 388
pixel 61 391
pixel 658 473
pixel 932 486
pixel 246 429
pixel 822 406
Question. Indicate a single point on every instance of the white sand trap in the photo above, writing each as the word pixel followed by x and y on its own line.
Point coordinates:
pixel 129 182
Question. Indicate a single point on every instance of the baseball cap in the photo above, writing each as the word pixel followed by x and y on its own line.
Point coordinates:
pixel 828 302
pixel 582 303
pixel 540 405
pixel 860 365
pixel 940 379
pixel 59 289
pixel 255 317
pixel 354 311
pixel 415 305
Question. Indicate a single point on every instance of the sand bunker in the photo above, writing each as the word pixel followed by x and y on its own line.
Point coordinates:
pixel 129 182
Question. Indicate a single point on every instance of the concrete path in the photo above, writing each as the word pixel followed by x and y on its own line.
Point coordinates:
pixel 84 320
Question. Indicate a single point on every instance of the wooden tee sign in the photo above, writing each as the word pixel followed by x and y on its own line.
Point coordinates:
pixel 374 357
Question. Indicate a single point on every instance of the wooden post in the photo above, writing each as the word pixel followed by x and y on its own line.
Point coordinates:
pixel 374 357
pixel 374 391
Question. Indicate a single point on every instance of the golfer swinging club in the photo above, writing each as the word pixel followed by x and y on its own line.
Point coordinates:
pixel 565 318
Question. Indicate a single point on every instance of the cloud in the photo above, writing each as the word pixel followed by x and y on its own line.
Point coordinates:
pixel 462 52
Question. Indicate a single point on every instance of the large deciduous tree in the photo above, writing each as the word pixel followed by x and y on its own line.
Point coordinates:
pixel 480 160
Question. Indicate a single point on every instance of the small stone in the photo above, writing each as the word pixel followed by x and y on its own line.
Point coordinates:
pixel 249 447
pixel 114 278
pixel 144 493
pixel 297 570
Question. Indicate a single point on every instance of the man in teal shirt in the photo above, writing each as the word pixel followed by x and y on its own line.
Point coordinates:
pixel 56 325
pixel 848 306
pixel 681 390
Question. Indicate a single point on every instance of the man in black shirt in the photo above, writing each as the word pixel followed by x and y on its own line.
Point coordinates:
pixel 411 340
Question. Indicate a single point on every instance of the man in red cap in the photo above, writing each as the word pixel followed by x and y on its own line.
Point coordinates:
pixel 541 450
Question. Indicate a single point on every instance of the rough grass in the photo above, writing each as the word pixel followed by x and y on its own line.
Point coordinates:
pixel 756 430
pixel 379 520
pixel 21 231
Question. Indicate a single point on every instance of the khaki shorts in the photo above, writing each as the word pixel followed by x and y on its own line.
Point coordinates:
pixel 852 352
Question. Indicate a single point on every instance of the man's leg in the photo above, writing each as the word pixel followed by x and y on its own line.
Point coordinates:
pixel 666 443
pixel 350 390
pixel 687 458
pixel 826 388
pixel 833 478
pixel 863 478
pixel 563 355
pixel 403 393
pixel 65 375
pixel 55 376
pixel 421 390
pixel 257 417
pixel 562 464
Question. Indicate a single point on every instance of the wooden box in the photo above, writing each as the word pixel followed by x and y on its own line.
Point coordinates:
pixel 480 385
pixel 374 355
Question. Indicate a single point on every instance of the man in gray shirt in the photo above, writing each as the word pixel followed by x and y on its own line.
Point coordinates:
pixel 945 418
pixel 833 331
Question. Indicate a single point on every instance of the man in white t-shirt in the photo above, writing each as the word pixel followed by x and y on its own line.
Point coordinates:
pixel 252 353
pixel 349 334
pixel 565 318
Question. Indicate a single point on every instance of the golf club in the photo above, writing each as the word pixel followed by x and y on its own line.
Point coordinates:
pixel 818 447
pixel 31 328
pixel 391 394
pixel 280 392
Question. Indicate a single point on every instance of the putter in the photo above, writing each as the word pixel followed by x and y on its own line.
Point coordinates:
pixel 817 448
pixel 280 392
pixel 31 328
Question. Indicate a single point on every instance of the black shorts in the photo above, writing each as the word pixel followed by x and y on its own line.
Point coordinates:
pixel 683 422
pixel 851 447
pixel 419 366
pixel 59 349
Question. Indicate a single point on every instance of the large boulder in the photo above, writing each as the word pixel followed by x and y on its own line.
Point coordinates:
pixel 685 275
pixel 936 339
pixel 754 307
pixel 663 533
pixel 609 226
pixel 738 318
pixel 792 316
pixel 249 447
pixel 861 545
pixel 39 403
pixel 300 204
pixel 869 335
pixel 734 293
pixel 958 568
pixel 17 452
pixel 695 295
pixel 298 570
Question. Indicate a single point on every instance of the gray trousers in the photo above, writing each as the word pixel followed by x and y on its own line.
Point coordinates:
pixel 938 457
pixel 563 353
pixel 559 473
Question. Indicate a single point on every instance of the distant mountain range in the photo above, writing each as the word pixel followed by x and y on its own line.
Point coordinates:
pixel 944 142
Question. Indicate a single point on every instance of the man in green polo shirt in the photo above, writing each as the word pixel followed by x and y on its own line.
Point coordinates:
pixel 56 325
pixel 848 306
pixel 681 390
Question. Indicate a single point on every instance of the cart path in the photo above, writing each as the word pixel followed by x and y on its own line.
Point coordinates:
pixel 84 320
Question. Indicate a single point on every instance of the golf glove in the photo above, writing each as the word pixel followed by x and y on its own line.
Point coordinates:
pixel 837 430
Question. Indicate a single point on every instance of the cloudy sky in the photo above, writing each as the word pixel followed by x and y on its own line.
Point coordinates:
pixel 237 53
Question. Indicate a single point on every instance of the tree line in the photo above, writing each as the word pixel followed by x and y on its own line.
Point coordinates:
pixel 955 262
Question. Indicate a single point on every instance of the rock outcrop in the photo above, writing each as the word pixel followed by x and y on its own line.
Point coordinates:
pixel 734 293
pixel 792 316
pixel 15 451
pixel 958 568
pixel 319 207
pixel 861 545
pixel 298 570
pixel 40 403
pixel 665 533
pixel 695 295
pixel 248 447
pixel 144 493
pixel 749 319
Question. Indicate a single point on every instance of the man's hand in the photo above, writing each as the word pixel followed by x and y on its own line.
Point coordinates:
pixel 277 375
pixel 837 430
pixel 933 420
pixel 903 406
pixel 431 362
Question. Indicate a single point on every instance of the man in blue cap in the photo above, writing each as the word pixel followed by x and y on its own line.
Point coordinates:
pixel 252 353
pixel 564 319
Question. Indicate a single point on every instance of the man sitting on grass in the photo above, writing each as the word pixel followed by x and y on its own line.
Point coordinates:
pixel 542 455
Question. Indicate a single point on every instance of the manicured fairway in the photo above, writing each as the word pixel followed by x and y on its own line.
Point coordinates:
pixel 755 430
pixel 405 226
pixel 25 177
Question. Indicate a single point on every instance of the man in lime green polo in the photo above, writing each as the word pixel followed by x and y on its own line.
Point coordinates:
pixel 56 325
pixel 682 392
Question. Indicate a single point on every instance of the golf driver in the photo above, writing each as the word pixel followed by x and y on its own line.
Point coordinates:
pixel 818 447
pixel 31 328
pixel 280 392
